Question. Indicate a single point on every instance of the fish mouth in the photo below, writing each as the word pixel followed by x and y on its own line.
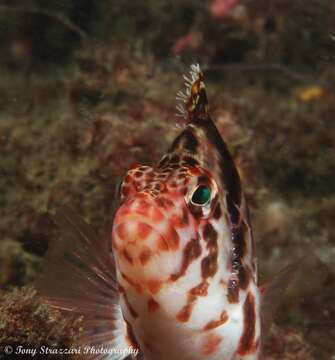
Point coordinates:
pixel 134 231
pixel 136 239
pixel 139 222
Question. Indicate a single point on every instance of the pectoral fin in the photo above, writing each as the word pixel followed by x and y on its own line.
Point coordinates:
pixel 79 276
pixel 272 292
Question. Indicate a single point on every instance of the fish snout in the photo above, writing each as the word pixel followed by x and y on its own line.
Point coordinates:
pixel 141 230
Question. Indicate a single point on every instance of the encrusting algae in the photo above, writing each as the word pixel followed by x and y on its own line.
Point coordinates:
pixel 28 323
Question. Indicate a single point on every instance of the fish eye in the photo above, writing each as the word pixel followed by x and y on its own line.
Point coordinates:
pixel 201 195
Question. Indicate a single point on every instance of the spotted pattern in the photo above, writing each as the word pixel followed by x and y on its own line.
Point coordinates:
pixel 191 251
pixel 211 344
pixel 172 179
pixel 201 289
pixel 185 313
pixel 209 264
pixel 249 326
pixel 215 323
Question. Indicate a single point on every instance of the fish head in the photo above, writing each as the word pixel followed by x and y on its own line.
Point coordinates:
pixel 156 229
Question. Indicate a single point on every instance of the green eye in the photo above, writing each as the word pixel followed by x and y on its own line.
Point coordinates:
pixel 201 195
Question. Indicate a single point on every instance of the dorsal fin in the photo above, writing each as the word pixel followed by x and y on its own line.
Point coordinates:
pixel 79 276
pixel 194 97
pixel 202 141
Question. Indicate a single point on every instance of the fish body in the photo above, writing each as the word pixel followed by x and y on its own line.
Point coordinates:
pixel 178 278
pixel 187 270
pixel 175 270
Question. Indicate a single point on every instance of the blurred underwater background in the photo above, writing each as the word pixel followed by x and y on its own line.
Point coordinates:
pixel 88 87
